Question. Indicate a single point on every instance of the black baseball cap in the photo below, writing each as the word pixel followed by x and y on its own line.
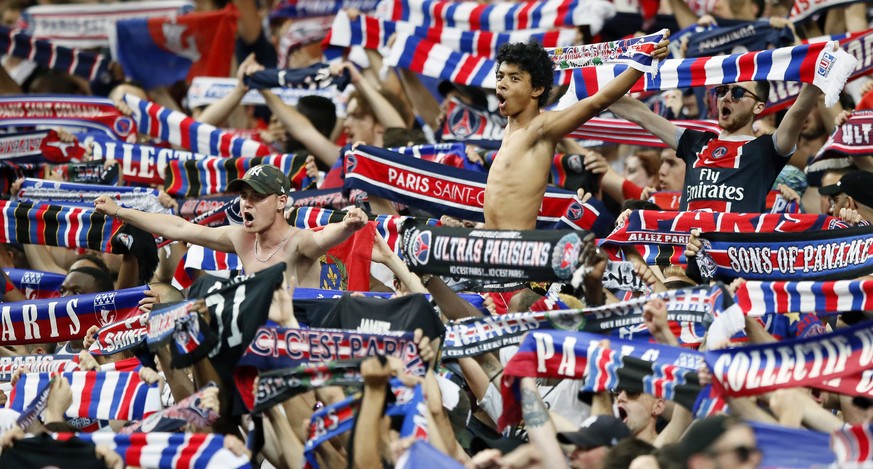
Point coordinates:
pixel 264 179
pixel 703 433
pixel 601 430
pixel 856 184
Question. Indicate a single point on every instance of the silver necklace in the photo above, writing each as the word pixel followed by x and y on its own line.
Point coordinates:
pixel 258 248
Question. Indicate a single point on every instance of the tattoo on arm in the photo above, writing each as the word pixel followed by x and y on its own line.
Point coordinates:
pixel 532 409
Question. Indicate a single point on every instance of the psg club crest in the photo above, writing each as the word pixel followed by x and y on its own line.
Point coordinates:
pixel 565 258
pixel 464 123
pixel 351 163
pixel 575 211
pixel 719 152
pixel 419 248
pixel 123 126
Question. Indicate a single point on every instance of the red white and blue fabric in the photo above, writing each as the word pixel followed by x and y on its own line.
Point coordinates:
pixel 290 9
pixel 814 255
pixel 635 52
pixel 814 361
pixel 183 131
pixel 435 60
pixel 37 364
pixel 760 298
pixel 88 65
pixel 661 236
pixel 211 175
pixel 810 63
pixel 808 448
pixel 104 395
pixel 456 192
pixel 388 226
pixel 801 10
pixel 373 33
pixel 90 25
pixel 563 354
pixel 140 164
pixel 170 450
pixel 500 17
pixel 622 131
pixel 451 154
pixel 853 444
pixel 160 51
pixel 36 284
pixel 67 318
pixel 851 139
pixel 54 225
pixel 72 112
pixel 35 190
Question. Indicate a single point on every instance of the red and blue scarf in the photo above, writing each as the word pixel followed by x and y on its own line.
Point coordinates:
pixel 54 225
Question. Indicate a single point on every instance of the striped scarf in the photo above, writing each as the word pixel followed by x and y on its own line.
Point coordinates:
pixel 853 446
pixel 811 63
pixel 811 255
pixel 170 450
pixel 757 369
pixel 94 114
pixel 661 236
pixel 140 164
pixel 450 154
pixel 560 354
pixel 289 9
pixel 332 199
pixel 849 140
pixel 388 226
pixel 121 335
pixel 162 322
pixel 105 395
pixel 23 147
pixel 36 363
pixel 207 90
pixel 475 336
pixel 209 176
pixel 33 409
pixel 754 298
pixel 35 284
pixel 67 318
pixel 180 130
pixel 277 386
pixel 54 225
pixel 279 347
pixel 435 60
pixel 444 190
pixel 313 77
pixel 635 52
pixel 188 410
pixel 336 419
pixel 82 195
pixel 373 33
pixel 89 26
pixel 88 65
pixel 500 17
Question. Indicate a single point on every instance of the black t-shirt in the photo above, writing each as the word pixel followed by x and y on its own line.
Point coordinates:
pixel 365 314
pixel 728 175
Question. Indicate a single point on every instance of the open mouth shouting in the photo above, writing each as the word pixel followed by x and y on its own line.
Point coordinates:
pixel 248 219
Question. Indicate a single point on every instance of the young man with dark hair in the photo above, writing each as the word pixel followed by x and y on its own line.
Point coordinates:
pixel 731 171
pixel 518 176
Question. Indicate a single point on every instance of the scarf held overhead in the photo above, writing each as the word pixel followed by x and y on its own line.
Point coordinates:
pixel 183 131
pixel 210 176
pixel 140 164
pixel 68 318
pixel 83 195
pixel 817 64
pixel 49 54
pixel 54 225
pixel 170 450
pixel 455 192
pixel 94 114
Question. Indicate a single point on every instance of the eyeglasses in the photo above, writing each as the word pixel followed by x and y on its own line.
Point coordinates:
pixel 737 93
pixel 744 453
pixel 630 393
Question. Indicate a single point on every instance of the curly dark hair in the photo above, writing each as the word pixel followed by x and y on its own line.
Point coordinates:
pixel 533 59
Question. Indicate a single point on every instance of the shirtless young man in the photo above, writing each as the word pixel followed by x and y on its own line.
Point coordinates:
pixel 517 179
pixel 265 238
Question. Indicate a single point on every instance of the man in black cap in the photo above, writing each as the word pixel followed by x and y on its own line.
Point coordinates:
pixel 593 440
pixel 264 239
pixel 853 192
pixel 720 441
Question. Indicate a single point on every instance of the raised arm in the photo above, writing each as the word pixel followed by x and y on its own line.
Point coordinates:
pixel 169 226
pixel 314 244
pixel 559 123
pixel 788 131
pixel 633 110
pixel 299 127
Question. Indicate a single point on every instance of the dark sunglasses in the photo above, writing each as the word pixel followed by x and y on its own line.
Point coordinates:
pixel 744 453
pixel 737 93
pixel 630 393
